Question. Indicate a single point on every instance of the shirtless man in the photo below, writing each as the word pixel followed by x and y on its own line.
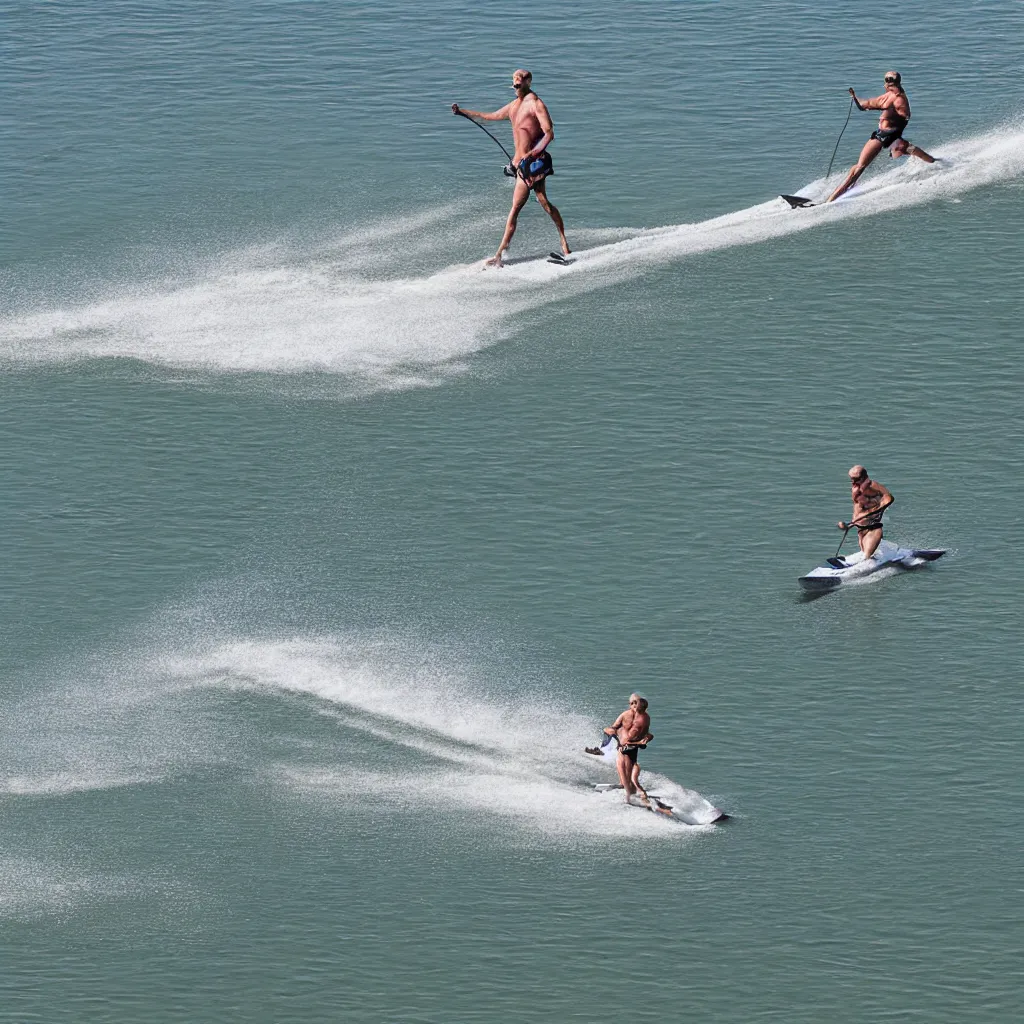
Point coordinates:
pixel 533 133
pixel 870 500
pixel 895 114
pixel 630 730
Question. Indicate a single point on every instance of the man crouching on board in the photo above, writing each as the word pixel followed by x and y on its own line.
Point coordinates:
pixel 870 500
pixel 533 132
pixel 630 730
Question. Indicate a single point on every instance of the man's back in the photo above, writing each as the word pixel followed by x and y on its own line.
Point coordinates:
pixel 894 107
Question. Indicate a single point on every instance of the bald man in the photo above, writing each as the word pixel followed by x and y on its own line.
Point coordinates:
pixel 870 500
pixel 631 733
pixel 894 105
pixel 533 132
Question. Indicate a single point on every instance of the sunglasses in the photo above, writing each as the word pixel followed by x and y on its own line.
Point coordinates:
pixel 890 81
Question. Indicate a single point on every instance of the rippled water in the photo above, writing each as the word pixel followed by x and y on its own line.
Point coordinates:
pixel 326 551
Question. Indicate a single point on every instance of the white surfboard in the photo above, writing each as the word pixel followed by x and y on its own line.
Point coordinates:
pixel 851 568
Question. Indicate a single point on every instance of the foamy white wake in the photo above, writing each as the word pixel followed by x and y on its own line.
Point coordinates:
pixel 395 726
pixel 446 744
pixel 288 311
pixel 113 725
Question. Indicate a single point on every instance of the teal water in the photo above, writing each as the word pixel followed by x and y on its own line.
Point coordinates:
pixel 326 552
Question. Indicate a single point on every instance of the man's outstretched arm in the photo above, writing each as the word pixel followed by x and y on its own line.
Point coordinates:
pixel 497 115
pixel 875 103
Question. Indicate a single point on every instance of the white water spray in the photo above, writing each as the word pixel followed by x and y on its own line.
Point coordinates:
pixel 289 312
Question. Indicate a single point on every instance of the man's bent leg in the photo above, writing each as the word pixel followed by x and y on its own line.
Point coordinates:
pixel 869 541
pixel 917 151
pixel 552 211
pixel 519 197
pixel 871 149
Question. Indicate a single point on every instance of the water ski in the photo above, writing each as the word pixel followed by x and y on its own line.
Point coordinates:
pixel 689 807
pixel 796 202
pixel 657 805
pixel 559 258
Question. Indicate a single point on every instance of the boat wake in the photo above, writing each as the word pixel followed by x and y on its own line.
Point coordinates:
pixel 338 308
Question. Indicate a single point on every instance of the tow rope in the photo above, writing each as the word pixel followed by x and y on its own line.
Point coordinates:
pixel 509 170
pixel 840 139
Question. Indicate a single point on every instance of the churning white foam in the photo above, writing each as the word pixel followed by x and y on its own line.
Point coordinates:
pixel 439 739
pixel 335 310
pixel 105 723
pixel 367 724
pixel 29 887
pixel 33 887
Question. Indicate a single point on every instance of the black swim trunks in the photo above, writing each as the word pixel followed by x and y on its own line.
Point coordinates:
pixel 631 750
pixel 871 524
pixel 887 136
pixel 536 168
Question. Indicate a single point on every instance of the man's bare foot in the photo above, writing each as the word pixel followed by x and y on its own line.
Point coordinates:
pixel 495 261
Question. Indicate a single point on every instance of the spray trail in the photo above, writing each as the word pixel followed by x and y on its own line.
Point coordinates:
pixel 419 736
pixel 332 312
pixel 384 723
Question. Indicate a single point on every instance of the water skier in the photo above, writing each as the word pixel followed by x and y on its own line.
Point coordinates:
pixel 533 132
pixel 870 500
pixel 631 732
pixel 894 105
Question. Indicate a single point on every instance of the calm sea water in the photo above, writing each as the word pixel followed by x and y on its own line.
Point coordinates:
pixel 325 552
